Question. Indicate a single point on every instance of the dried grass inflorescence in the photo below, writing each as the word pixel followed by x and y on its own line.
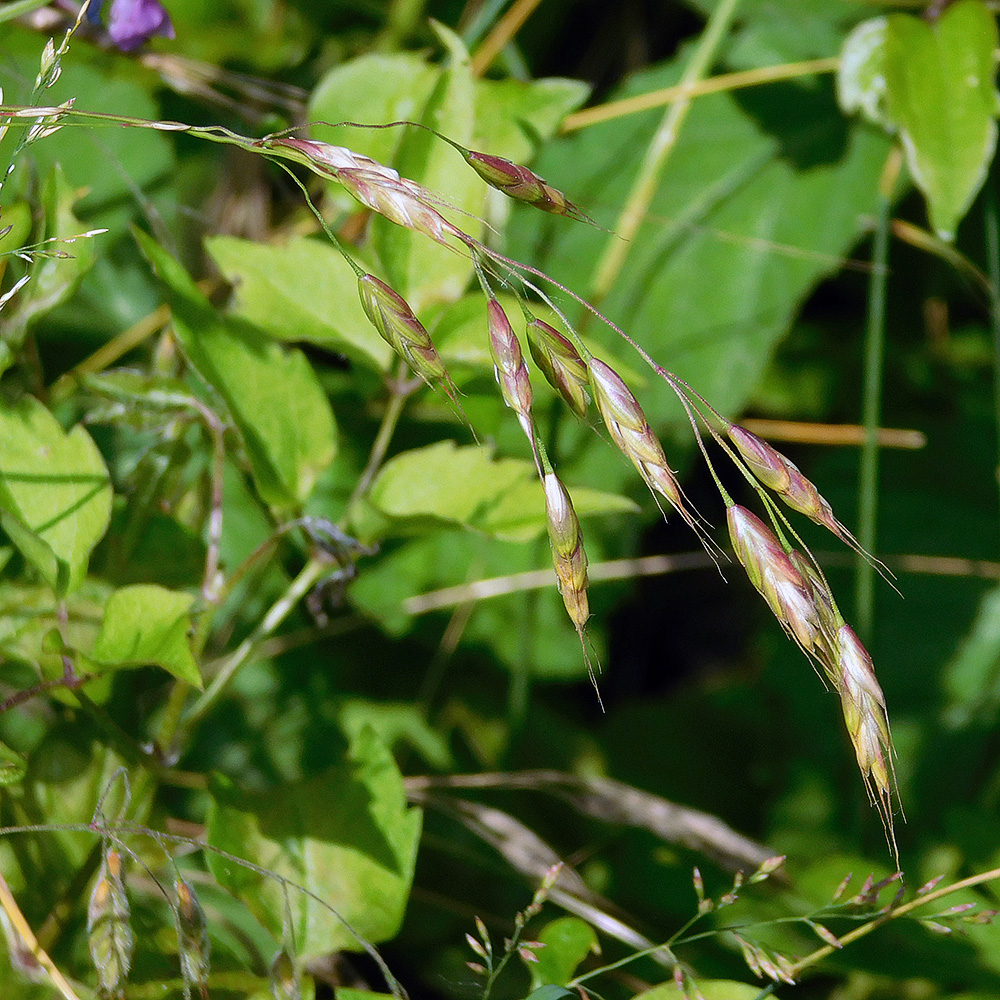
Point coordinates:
pixel 109 928
pixel 520 183
pixel 782 475
pixel 800 599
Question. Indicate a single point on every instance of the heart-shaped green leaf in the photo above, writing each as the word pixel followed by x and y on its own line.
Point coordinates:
pixel 941 93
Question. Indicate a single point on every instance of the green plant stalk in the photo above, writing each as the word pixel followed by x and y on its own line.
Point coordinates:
pixel 651 169
pixel 276 614
pixel 864 573
pixel 883 918
pixel 992 226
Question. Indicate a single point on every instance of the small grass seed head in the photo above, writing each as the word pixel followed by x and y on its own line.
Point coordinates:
pixel 401 203
pixel 325 158
pixel 568 554
pixel 783 476
pixel 560 363
pixel 509 367
pixel 774 576
pixel 400 328
pixel 864 710
pixel 521 184
pixel 630 431
pixel 193 943
pixel 109 929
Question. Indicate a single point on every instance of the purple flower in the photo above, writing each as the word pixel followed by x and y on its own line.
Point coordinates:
pixel 132 22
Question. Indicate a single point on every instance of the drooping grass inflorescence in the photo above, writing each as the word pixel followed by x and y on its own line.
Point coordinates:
pixel 789 580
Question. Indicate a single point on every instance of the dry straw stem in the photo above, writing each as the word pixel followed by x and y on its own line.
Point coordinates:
pixel 503 32
pixel 713 85
pixel 34 951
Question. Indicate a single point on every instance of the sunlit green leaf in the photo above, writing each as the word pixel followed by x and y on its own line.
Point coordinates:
pixel 303 290
pixel 55 495
pixel 419 269
pixel 346 835
pixel 568 941
pixel 272 392
pixel 147 624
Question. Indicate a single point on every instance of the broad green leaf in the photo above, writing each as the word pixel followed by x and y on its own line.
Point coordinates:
pixel 146 624
pixel 31 615
pixel 512 115
pixel 55 493
pixel 861 83
pixel 346 835
pixel 396 723
pixel 568 941
pixel 18 217
pixel 273 394
pixel 419 269
pixel 941 92
pixel 303 290
pixel 972 678
pixel 445 482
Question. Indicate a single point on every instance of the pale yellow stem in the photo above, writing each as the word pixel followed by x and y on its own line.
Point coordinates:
pixel 832 434
pixel 23 929
pixel 503 31
pixel 713 85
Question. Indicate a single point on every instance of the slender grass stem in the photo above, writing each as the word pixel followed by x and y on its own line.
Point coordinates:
pixel 992 226
pixel 864 578
pixel 277 613
pixel 648 179
pixel 714 85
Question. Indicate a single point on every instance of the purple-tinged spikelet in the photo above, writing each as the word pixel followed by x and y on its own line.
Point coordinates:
pixel 864 712
pixel 775 576
pixel 378 187
pixel 521 184
pixel 630 431
pixel 560 363
pixel 568 555
pixel 400 328
pixel 511 371
pixel 783 476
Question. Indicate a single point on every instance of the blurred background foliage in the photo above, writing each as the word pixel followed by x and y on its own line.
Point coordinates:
pixel 750 276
